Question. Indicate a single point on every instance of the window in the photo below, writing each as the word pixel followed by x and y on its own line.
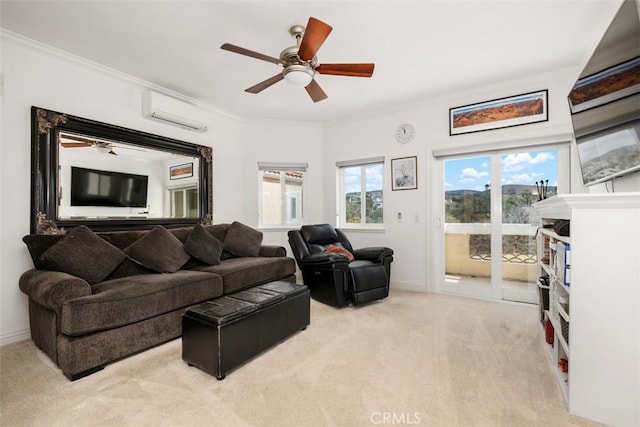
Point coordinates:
pixel 281 193
pixel 183 202
pixel 361 180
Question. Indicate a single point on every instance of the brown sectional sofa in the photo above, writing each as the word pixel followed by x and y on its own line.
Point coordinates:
pixel 83 323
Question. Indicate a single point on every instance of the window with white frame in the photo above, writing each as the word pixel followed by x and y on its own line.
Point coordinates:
pixel 282 188
pixel 184 202
pixel 360 192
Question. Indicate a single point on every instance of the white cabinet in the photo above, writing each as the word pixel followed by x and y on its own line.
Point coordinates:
pixel 597 300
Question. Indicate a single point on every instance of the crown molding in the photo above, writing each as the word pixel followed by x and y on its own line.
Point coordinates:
pixel 111 72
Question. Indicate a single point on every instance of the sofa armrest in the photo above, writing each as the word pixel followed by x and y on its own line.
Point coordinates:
pixel 272 251
pixel 51 288
pixel 374 253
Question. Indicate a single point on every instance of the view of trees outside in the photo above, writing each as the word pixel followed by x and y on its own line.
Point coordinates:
pixel 525 177
pixel 468 186
pixel 372 174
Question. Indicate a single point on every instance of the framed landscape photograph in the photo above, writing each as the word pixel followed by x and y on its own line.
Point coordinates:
pixel 500 113
pixel 181 171
pixel 606 86
pixel 404 173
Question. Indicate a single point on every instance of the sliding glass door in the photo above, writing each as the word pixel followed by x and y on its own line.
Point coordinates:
pixel 489 226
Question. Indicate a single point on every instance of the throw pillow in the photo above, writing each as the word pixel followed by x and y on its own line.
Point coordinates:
pixel 242 240
pixel 84 254
pixel 158 250
pixel 341 251
pixel 203 246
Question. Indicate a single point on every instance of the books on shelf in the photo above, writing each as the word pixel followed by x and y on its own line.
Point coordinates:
pixel 563 266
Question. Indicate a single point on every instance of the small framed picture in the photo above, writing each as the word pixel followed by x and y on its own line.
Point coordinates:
pixel 404 173
pixel 181 171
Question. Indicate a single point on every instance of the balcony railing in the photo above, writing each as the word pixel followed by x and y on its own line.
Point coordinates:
pixel 468 250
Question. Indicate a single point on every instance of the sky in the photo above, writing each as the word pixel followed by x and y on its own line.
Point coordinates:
pixel 474 172
pixel 374 178
pixel 525 168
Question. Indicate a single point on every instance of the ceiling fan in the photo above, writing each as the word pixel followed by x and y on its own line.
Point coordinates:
pixel 300 63
pixel 75 141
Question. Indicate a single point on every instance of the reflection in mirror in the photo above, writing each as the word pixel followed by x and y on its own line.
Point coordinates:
pixel 107 177
pixel 605 102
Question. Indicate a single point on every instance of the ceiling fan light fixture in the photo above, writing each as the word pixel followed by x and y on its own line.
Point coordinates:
pixel 104 149
pixel 298 75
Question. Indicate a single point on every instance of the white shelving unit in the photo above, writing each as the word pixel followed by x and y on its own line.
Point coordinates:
pixel 598 297
pixel 551 246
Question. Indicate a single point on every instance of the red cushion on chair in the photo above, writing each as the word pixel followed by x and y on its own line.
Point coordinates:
pixel 340 250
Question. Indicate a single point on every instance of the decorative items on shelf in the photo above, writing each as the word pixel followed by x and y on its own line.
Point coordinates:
pixel 563 364
pixel 543 187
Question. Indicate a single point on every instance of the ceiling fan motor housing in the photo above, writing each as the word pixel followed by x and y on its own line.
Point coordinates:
pixel 290 56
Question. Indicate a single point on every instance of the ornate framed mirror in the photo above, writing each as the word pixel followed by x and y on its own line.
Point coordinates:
pixel 107 177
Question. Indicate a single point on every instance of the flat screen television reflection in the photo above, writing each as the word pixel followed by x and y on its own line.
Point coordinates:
pixel 92 187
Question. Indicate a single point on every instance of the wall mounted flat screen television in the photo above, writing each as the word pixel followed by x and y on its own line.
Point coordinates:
pixel 605 102
pixel 610 153
pixel 92 187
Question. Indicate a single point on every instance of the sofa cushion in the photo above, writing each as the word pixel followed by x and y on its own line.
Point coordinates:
pixel 129 268
pixel 203 246
pixel 37 244
pixel 242 272
pixel 132 299
pixel 242 240
pixel 219 231
pixel 83 254
pixel 158 250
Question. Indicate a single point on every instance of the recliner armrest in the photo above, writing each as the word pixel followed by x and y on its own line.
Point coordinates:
pixel 52 288
pixel 324 259
pixel 374 253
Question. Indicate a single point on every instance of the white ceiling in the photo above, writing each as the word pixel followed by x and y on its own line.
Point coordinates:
pixel 420 48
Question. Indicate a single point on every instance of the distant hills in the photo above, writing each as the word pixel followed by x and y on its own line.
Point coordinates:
pixel 506 189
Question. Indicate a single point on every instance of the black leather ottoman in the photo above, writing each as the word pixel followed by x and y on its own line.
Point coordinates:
pixel 221 334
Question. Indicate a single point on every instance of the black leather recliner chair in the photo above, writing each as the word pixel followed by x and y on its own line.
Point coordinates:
pixel 330 277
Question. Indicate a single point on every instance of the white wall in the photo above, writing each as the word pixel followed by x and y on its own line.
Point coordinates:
pixel 373 135
pixel 38 76
pixel 280 141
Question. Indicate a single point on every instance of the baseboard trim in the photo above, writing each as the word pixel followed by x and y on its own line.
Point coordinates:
pixel 408 287
pixel 15 337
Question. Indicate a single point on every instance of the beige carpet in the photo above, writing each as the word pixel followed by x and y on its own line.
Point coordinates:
pixel 412 359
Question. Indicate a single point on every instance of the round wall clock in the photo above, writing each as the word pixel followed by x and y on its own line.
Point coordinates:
pixel 405 133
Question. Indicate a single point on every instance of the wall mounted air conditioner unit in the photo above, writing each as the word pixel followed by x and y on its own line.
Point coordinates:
pixel 173 111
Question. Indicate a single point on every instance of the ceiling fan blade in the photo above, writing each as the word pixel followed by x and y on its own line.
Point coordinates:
pixel 353 70
pixel 124 147
pixel 265 84
pixel 315 91
pixel 75 144
pixel 315 34
pixel 247 52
